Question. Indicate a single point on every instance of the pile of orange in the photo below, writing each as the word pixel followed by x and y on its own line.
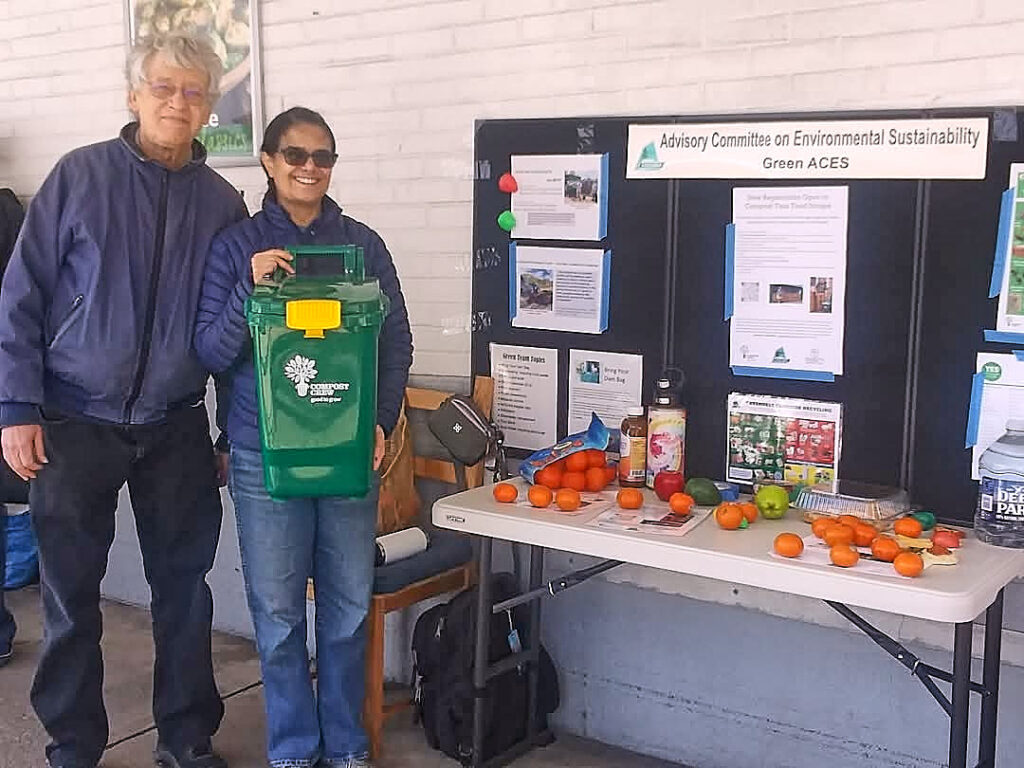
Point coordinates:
pixel 586 470
pixel 735 514
pixel 845 533
pixel 562 481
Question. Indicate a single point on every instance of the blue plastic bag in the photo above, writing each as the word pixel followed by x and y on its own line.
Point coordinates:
pixel 22 554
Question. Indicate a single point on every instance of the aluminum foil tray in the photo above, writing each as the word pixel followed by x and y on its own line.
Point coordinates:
pixel 871 502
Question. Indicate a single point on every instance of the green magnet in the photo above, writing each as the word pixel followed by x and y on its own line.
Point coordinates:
pixel 744 523
pixel 507 220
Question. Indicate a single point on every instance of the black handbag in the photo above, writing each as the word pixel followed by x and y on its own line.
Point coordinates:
pixel 468 435
pixel 462 428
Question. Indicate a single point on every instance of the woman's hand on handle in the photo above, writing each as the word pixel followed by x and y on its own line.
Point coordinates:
pixel 265 262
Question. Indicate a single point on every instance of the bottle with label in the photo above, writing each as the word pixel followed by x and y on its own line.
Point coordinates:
pixel 633 449
pixel 999 517
pixel 666 431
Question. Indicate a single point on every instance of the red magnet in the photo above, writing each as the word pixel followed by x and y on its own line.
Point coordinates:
pixel 507 183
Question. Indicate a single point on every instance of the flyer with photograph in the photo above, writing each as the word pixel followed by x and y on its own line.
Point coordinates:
pixel 525 395
pixel 788 287
pixel 657 520
pixel 605 383
pixel 1002 396
pixel 560 197
pixel 783 439
pixel 559 289
pixel 1011 294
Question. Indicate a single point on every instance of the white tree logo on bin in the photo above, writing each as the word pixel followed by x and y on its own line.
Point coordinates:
pixel 301 370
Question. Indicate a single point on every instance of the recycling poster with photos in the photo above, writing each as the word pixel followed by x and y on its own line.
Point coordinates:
pixel 783 439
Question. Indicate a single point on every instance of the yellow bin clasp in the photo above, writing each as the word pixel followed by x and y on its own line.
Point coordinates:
pixel 314 316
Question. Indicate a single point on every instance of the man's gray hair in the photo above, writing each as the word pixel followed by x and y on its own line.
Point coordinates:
pixel 181 49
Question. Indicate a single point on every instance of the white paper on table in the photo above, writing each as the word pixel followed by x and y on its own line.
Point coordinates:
pixel 1002 396
pixel 525 394
pixel 789 287
pixel 657 521
pixel 559 289
pixel 816 552
pixel 560 197
pixel 605 383
pixel 1011 292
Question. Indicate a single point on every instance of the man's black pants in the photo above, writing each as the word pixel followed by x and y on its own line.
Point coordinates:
pixel 170 473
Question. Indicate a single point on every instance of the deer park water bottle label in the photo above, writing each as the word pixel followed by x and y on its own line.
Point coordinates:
pixel 1001 501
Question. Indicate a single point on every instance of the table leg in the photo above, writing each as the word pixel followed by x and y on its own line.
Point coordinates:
pixel 961 695
pixel 990 699
pixel 481 655
pixel 536 580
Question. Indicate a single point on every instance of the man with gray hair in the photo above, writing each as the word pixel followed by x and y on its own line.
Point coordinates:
pixel 99 387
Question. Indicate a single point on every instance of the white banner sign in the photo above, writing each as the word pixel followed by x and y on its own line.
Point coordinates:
pixel 834 149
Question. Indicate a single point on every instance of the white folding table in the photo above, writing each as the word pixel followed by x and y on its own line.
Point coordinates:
pixel 954 595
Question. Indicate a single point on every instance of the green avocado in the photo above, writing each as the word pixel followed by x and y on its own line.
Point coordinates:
pixel 703 491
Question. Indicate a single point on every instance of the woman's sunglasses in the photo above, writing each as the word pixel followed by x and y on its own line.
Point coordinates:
pixel 322 158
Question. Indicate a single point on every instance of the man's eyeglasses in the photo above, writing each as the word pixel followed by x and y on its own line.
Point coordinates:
pixel 322 158
pixel 164 91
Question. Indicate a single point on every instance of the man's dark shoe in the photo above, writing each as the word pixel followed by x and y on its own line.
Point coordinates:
pixel 5 655
pixel 201 756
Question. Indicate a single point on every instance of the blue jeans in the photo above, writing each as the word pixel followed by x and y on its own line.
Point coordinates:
pixel 282 544
pixel 7 626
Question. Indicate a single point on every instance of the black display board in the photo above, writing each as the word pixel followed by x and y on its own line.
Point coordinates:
pixel 918 270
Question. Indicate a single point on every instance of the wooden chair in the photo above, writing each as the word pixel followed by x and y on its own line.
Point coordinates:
pixel 375 709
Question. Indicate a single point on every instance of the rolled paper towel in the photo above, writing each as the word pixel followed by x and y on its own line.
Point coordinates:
pixel 399 545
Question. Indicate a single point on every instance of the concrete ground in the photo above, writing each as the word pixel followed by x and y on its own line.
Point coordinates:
pixel 127 649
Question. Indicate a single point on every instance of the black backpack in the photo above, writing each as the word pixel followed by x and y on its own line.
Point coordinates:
pixel 442 645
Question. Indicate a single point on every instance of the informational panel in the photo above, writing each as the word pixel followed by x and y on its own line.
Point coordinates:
pixel 637 239
pixel 919 258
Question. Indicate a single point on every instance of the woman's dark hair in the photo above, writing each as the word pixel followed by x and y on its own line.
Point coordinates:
pixel 294 116
pixel 277 127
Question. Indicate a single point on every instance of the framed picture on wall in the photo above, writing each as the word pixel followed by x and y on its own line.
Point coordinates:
pixel 235 129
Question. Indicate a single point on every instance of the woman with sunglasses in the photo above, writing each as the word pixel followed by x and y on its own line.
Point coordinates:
pixel 283 543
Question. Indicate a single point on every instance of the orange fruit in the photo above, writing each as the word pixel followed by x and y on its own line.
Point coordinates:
pixel 838 534
pixel 577 462
pixel 749 510
pixel 551 476
pixel 611 471
pixel 505 492
pixel 864 534
pixel 843 555
pixel 729 516
pixel 818 526
pixel 908 563
pixel 594 479
pixel 680 503
pixel 908 526
pixel 540 495
pixel 567 499
pixel 630 498
pixel 885 548
pixel 789 545
pixel 575 480
pixel 850 520
pixel 596 458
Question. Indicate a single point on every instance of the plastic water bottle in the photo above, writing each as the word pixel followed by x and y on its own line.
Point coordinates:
pixel 999 517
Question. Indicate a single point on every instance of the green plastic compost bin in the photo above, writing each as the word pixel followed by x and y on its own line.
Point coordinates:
pixel 315 349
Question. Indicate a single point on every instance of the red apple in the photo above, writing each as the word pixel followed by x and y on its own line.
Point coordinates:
pixel 668 482
pixel 946 538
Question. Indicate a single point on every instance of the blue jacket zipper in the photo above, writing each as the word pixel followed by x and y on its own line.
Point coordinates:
pixel 154 281
pixel 69 318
